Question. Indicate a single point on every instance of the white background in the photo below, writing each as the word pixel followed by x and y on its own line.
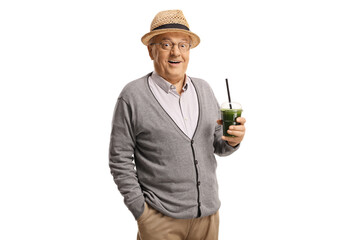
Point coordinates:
pixel 293 65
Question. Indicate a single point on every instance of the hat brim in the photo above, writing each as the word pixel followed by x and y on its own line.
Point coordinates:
pixel 195 40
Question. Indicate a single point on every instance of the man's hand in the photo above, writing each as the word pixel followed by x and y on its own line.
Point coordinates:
pixel 236 130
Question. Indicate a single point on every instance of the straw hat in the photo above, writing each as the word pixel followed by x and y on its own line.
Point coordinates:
pixel 170 21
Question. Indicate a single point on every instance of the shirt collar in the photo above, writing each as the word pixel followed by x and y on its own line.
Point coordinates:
pixel 165 85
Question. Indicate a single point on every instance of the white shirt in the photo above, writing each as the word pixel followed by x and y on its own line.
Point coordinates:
pixel 183 109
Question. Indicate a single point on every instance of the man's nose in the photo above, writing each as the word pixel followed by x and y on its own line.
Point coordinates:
pixel 175 50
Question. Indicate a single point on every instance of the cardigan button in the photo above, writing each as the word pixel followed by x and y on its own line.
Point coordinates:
pixel 196 162
pixel 192 141
pixel 198 183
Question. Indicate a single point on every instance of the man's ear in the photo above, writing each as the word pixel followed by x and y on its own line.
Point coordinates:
pixel 150 52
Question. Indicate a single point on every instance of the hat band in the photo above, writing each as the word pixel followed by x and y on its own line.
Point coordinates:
pixel 172 25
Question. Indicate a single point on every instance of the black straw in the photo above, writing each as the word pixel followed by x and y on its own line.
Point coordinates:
pixel 228 91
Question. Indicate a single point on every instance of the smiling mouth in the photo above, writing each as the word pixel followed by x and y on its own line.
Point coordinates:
pixel 174 62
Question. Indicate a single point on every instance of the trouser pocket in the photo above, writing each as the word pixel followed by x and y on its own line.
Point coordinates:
pixel 144 215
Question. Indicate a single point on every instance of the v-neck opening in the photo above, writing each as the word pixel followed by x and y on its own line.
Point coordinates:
pixel 172 120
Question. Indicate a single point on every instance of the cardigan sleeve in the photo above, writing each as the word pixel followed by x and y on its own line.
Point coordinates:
pixel 121 156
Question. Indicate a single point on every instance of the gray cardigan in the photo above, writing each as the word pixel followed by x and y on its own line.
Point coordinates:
pixel 152 160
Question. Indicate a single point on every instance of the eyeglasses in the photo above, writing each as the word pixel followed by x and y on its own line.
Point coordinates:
pixel 167 45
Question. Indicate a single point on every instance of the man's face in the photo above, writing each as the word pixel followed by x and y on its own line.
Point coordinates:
pixel 170 64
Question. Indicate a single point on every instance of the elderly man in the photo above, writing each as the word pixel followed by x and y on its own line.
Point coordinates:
pixel 165 133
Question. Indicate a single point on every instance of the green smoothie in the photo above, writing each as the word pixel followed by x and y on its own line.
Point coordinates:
pixel 228 117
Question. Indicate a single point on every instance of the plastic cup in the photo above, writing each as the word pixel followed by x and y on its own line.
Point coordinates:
pixel 229 112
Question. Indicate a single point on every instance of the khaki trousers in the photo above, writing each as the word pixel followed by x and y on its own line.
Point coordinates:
pixel 153 225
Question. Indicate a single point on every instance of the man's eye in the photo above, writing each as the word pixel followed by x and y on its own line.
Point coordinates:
pixel 166 45
pixel 184 46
